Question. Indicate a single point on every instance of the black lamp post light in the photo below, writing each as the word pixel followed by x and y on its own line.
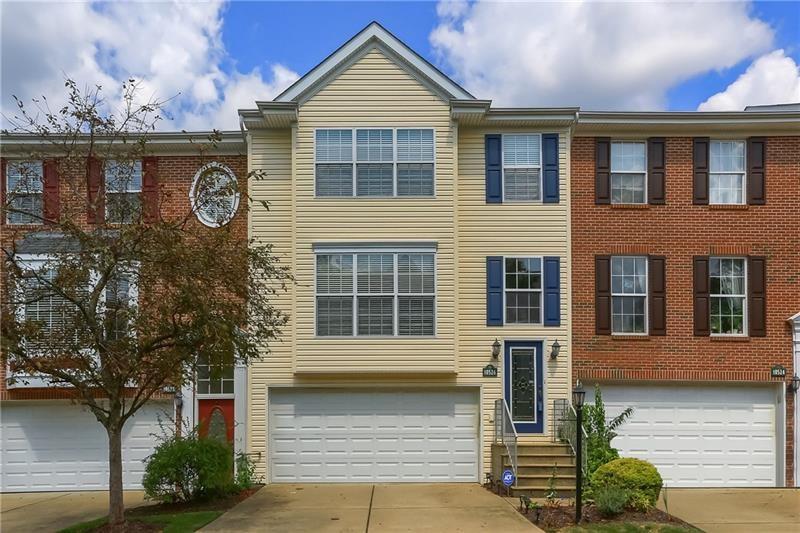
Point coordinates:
pixel 555 350
pixel 496 349
pixel 578 397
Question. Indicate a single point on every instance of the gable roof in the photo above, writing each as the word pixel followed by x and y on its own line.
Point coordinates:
pixel 373 36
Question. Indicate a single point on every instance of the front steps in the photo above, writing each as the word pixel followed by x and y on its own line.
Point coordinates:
pixel 535 463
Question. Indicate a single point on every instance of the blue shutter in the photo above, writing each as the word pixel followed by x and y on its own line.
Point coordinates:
pixel 494 291
pixel 552 292
pixel 550 168
pixel 494 169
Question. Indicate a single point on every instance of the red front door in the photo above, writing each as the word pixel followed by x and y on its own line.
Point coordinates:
pixel 213 414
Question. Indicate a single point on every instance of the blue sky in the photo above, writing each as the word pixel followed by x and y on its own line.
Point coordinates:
pixel 212 58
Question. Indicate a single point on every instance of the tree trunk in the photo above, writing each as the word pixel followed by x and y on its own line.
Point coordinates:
pixel 116 506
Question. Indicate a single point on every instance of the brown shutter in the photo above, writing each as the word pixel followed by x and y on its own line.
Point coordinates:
pixel 150 189
pixel 756 167
pixel 656 170
pixel 657 288
pixel 3 162
pixel 51 196
pixel 602 294
pixel 602 172
pixel 96 211
pixel 701 296
pixel 700 159
pixel 757 296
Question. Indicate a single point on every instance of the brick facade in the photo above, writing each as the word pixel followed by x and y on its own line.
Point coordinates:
pixel 680 230
pixel 175 176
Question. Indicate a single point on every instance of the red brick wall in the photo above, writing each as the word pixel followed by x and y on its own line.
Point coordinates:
pixel 680 230
pixel 176 174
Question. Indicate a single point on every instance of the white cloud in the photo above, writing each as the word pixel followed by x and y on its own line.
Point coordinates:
pixel 173 49
pixel 599 55
pixel 773 78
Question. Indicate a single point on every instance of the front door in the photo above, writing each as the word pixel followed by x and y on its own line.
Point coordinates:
pixel 524 383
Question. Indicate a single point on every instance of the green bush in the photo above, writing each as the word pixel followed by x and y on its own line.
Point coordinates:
pixel 610 501
pixel 638 478
pixel 600 432
pixel 245 472
pixel 189 469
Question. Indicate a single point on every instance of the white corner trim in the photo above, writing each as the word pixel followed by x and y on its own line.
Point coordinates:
pixel 240 409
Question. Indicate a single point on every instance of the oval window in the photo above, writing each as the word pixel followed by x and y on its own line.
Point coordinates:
pixel 217 426
pixel 214 194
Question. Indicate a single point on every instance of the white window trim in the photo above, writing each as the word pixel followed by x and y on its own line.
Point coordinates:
pixel 106 192
pixel 745 325
pixel 193 193
pixel 511 388
pixel 395 294
pixel 611 172
pixel 646 295
pixel 503 166
pixel 394 162
pixel 38 222
pixel 743 173
pixel 540 291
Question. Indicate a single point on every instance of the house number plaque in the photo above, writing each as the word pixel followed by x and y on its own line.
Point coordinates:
pixel 490 371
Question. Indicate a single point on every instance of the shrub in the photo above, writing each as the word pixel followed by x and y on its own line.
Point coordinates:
pixel 638 478
pixel 245 472
pixel 189 469
pixel 610 501
pixel 600 433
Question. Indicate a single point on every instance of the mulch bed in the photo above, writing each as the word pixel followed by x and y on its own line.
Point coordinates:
pixel 555 518
pixel 219 504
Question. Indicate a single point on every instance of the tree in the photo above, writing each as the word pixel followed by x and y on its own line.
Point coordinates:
pixel 134 298
pixel 600 432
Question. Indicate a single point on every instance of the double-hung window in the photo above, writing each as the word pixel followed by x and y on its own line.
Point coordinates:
pixel 374 162
pixel 628 295
pixel 522 167
pixel 726 179
pixel 123 181
pixel 628 172
pixel 728 295
pixel 375 294
pixel 24 183
pixel 523 290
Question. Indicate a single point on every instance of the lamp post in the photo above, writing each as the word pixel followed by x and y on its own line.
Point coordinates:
pixel 578 396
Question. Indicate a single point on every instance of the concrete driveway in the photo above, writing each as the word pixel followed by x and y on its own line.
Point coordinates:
pixel 736 510
pixel 51 511
pixel 373 509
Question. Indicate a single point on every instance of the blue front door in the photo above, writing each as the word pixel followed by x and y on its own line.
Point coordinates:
pixel 524 385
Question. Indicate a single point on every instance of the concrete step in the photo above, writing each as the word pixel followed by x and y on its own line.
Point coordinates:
pixel 539 459
pixel 543 469
pixel 545 448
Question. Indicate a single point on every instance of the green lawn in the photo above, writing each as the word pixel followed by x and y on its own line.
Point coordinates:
pixel 172 523
pixel 630 527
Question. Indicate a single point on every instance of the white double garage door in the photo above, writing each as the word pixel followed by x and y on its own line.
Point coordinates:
pixel 58 446
pixel 329 435
pixel 714 436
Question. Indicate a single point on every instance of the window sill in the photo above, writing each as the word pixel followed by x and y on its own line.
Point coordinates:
pixel 729 338
pixel 729 207
pixel 623 337
pixel 630 206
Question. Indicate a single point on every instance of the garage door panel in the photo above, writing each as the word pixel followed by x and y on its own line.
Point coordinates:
pixel 699 436
pixel 334 436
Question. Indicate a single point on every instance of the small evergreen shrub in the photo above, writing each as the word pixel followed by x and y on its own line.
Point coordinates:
pixel 610 501
pixel 638 478
pixel 189 469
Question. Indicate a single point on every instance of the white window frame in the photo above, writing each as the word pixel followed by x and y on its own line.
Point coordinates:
pixel 395 294
pixel 540 291
pixel 646 295
pixel 743 173
pixel 521 167
pixel 612 171
pixel 215 395
pixel 745 325
pixel 193 191
pixel 106 192
pixel 9 163
pixel 394 162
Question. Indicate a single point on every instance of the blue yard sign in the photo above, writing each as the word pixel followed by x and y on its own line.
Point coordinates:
pixel 508 478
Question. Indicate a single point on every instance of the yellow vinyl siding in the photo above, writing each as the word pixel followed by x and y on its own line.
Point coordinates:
pixel 374 91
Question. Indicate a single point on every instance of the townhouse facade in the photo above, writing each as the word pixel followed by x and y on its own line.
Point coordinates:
pixel 48 442
pixel 460 267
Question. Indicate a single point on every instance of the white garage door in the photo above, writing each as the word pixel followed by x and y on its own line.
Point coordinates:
pixel 365 436
pixel 699 436
pixel 54 446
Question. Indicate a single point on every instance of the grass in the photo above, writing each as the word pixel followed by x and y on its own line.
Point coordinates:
pixel 630 527
pixel 171 523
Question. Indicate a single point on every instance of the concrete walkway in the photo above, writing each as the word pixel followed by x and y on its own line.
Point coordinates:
pixel 736 510
pixel 51 511
pixel 373 509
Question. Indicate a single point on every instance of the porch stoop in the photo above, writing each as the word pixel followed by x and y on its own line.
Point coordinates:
pixel 535 468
